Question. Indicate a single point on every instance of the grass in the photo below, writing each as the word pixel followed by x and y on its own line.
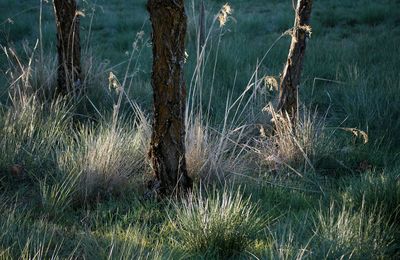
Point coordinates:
pixel 218 226
pixel 358 234
pixel 72 176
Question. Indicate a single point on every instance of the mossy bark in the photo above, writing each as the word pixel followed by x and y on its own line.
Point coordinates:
pixel 290 80
pixel 68 47
pixel 167 150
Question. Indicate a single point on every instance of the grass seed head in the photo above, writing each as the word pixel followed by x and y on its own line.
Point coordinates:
pixel 224 14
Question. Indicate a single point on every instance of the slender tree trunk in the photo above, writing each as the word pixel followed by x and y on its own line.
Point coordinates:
pixel 290 79
pixel 68 47
pixel 167 150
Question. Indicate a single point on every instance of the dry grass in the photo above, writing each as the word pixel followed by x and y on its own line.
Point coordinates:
pixel 213 156
pixel 293 145
pixel 106 158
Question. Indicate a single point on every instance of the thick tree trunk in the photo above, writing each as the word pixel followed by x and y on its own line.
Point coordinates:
pixel 68 47
pixel 167 150
pixel 290 79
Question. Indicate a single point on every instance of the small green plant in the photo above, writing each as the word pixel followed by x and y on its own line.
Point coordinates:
pixel 222 225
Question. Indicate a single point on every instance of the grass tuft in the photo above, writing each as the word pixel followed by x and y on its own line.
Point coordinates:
pixel 106 158
pixel 345 232
pixel 294 146
pixel 222 225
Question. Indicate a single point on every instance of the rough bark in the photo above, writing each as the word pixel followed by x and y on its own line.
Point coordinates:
pixel 167 151
pixel 290 79
pixel 68 47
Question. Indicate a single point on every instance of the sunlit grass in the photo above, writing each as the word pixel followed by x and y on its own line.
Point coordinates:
pixel 221 225
pixel 72 177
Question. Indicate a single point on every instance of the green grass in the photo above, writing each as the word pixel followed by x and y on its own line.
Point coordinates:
pixel 218 226
pixel 72 177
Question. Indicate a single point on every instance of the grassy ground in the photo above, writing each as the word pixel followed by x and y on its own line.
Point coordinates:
pixel 73 188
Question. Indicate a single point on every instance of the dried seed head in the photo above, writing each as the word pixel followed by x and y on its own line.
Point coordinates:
pixel 140 35
pixel 113 83
pixel 271 83
pixel 307 29
pixel 224 13
pixel 80 13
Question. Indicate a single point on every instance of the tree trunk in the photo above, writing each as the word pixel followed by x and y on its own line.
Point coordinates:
pixel 68 47
pixel 290 79
pixel 167 151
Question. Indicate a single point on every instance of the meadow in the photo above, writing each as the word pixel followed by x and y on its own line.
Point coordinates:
pixel 72 176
